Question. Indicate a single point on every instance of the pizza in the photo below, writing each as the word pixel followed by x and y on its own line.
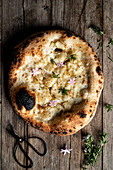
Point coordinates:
pixel 55 82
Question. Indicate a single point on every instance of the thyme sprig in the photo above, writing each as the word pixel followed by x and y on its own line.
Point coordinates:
pixel 97 30
pixel 64 91
pixel 72 57
pixel 109 107
pixel 92 150
pixel 55 75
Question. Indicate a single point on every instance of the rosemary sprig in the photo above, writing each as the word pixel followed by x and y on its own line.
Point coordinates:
pixel 97 30
pixel 92 150
pixel 72 57
pixel 109 55
pixel 64 91
pixel 55 75
pixel 109 107
pixel 109 19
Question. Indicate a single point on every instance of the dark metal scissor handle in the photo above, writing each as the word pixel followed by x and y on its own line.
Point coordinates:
pixel 18 144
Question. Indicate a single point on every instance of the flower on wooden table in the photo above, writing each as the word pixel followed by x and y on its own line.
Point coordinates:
pixel 66 150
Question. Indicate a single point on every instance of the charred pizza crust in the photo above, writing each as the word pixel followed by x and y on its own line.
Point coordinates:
pixel 32 104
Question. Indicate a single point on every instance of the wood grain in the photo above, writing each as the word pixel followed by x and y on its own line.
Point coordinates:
pixel 108 86
pixel 24 17
pixel 12 23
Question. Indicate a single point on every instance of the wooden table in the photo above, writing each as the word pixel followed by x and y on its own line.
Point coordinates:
pixel 19 18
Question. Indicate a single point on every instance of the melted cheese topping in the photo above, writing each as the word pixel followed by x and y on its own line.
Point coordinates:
pixel 38 73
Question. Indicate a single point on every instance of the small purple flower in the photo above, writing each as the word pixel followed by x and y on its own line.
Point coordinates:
pixel 85 150
pixel 60 64
pixel 52 103
pixel 86 137
pixel 72 81
pixel 35 72
pixel 66 150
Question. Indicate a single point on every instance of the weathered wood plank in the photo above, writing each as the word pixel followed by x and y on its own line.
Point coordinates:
pixel 12 23
pixel 0 49
pixel 93 15
pixel 108 85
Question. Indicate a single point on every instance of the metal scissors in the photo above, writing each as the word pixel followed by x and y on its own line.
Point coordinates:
pixel 19 140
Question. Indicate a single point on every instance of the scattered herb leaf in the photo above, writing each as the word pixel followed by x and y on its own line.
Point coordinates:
pixel 97 30
pixel 99 46
pixel 98 40
pixel 72 57
pixel 110 42
pixel 109 107
pixel 92 150
pixel 109 19
pixel 108 46
pixel 64 91
pixel 55 75
pixel 109 55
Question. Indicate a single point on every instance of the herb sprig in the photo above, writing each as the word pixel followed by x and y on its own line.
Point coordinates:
pixel 55 75
pixel 72 57
pixel 97 30
pixel 64 91
pixel 92 150
pixel 109 107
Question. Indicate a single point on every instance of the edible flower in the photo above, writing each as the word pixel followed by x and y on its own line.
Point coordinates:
pixel 35 72
pixel 60 64
pixel 66 150
pixel 71 81
pixel 52 103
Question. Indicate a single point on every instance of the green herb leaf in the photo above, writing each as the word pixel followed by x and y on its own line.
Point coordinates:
pixel 64 91
pixel 109 19
pixel 108 46
pixel 55 75
pixel 109 55
pixel 109 107
pixel 110 42
pixel 98 40
pixel 97 30
pixel 92 150
pixel 99 46
pixel 72 57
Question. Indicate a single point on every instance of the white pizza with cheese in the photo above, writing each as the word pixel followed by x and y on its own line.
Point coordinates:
pixel 55 82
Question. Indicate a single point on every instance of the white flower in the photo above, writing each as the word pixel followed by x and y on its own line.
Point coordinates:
pixel 35 72
pixel 72 81
pixel 66 150
pixel 52 103
pixel 60 64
